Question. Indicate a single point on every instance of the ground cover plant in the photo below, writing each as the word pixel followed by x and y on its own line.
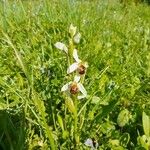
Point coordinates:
pixel 54 52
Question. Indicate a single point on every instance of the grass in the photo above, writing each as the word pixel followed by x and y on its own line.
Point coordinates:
pixel 115 43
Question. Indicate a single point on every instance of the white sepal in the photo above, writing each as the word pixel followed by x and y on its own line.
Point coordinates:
pixel 76 78
pixel 61 46
pixel 72 68
pixel 82 90
pixel 75 56
pixel 65 87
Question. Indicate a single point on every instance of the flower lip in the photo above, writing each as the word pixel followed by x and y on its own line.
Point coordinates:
pixel 81 69
pixel 74 88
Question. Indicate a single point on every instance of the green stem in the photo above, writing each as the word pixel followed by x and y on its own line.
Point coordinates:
pixel 76 137
pixel 70 61
pixel 49 134
pixel 71 47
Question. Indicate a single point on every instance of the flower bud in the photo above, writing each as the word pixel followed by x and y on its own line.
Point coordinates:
pixel 72 30
pixel 77 38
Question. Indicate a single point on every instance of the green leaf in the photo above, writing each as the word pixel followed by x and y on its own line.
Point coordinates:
pixel 123 118
pixel 105 111
pixel 114 142
pixel 146 123
pixel 107 128
pixel 144 141
pixel 69 103
pixel 60 121
pixel 95 100
pixel 3 106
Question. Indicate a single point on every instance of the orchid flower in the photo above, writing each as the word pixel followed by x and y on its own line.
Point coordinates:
pixel 91 143
pixel 61 46
pixel 78 66
pixel 74 87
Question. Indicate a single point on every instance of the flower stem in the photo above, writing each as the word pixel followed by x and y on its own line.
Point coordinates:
pixel 71 47
pixel 76 137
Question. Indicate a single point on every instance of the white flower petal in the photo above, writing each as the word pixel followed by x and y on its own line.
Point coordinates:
pixel 65 87
pixel 61 46
pixel 77 78
pixel 82 89
pixel 75 56
pixel 65 49
pixel 77 38
pixel 72 68
pixel 89 142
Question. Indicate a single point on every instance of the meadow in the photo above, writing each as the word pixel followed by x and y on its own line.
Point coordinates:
pixel 115 42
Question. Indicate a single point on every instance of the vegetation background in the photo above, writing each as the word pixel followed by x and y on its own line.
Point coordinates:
pixel 115 43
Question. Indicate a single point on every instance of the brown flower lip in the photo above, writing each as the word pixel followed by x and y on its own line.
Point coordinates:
pixel 74 89
pixel 81 69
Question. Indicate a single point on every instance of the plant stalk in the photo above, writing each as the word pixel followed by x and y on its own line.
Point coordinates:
pixel 76 137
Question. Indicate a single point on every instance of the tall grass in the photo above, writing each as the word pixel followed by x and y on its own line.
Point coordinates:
pixel 115 42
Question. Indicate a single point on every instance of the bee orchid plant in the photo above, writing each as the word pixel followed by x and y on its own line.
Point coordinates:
pixel 78 66
pixel 76 70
